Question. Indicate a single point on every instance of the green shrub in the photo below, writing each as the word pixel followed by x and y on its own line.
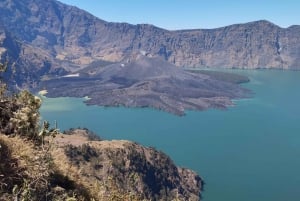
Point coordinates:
pixel 25 119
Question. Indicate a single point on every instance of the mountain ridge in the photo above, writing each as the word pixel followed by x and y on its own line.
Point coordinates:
pixel 71 39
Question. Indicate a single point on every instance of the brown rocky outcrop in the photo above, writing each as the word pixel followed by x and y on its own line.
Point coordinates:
pixel 77 166
pixel 120 169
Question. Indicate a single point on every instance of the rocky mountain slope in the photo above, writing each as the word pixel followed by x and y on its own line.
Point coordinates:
pixel 124 167
pixel 75 167
pixel 53 36
pixel 27 63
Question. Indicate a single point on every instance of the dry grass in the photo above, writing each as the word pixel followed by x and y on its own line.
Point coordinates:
pixel 27 172
pixel 71 167
pixel 83 170
pixel 9 171
pixel 19 165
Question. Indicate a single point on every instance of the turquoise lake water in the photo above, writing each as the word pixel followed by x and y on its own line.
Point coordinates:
pixel 249 152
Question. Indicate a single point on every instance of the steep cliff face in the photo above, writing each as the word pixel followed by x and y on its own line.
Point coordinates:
pixel 122 169
pixel 72 38
pixel 250 45
pixel 77 167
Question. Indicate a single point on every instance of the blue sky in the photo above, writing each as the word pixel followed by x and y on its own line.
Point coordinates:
pixel 191 14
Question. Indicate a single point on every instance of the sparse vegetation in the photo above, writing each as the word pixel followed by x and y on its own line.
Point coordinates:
pixel 27 171
pixel 125 171
pixel 92 136
pixel 35 166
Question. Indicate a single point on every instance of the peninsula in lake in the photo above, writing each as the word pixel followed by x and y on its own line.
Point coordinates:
pixel 149 82
pixel 47 45
pixel 118 64
pixel 47 41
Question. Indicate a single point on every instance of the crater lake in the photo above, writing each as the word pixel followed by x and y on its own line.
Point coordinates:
pixel 248 152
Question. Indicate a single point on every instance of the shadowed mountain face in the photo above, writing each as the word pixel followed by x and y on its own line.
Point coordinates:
pixel 147 82
pixel 69 38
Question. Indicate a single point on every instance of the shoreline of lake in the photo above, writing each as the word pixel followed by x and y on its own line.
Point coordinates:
pixel 243 153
